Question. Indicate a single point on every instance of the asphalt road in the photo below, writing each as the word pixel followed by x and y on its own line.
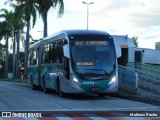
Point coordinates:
pixel 20 97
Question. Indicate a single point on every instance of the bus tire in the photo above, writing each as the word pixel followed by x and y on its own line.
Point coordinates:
pixel 32 84
pixel 45 90
pixel 60 93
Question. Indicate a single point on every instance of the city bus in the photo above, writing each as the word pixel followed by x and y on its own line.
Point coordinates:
pixel 74 61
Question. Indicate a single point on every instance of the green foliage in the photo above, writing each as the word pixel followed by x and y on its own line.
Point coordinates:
pixel 135 40
pixel 6 29
pixel 126 92
pixel 2 52
pixel 43 8
pixel 2 32
pixel 23 12
pixel 2 59
pixel 15 80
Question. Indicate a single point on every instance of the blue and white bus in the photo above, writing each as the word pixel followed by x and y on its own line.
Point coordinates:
pixel 74 61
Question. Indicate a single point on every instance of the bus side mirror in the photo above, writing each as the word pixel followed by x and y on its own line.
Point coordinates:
pixel 118 51
pixel 66 50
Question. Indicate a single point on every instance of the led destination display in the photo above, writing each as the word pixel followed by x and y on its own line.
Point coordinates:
pixel 90 43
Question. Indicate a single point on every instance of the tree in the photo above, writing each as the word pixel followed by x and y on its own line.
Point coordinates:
pixel 6 32
pixel 18 23
pixel 135 40
pixel 44 6
pixel 28 7
pixel 2 58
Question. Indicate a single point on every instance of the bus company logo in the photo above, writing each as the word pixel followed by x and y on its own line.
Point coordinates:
pixel 23 114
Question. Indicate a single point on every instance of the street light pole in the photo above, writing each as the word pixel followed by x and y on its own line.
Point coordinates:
pixel 87 10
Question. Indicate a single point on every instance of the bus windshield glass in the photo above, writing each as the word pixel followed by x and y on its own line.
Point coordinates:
pixel 93 58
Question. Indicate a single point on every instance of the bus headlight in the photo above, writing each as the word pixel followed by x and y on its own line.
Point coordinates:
pixel 75 79
pixel 113 80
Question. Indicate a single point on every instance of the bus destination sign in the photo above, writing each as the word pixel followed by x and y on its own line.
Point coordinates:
pixel 90 43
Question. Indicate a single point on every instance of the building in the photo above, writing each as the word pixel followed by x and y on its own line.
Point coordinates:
pixel 144 55
pixel 130 53
pixel 157 46
pixel 124 42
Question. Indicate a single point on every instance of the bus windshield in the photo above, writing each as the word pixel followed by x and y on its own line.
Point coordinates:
pixel 93 59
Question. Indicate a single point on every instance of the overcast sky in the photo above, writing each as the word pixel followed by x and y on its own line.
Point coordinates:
pixel 117 17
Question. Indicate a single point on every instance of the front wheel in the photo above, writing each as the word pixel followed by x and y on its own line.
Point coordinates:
pixel 62 94
pixel 59 91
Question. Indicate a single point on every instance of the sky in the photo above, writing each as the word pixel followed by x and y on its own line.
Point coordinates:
pixel 117 17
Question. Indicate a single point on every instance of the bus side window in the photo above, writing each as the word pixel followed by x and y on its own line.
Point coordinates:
pixel 66 67
pixel 29 58
pixel 35 57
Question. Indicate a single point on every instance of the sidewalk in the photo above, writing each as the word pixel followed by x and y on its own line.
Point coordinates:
pixel 151 96
pixel 143 95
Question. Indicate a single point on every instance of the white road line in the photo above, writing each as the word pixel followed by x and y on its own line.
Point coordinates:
pixel 62 117
pixel 94 117
pixel 136 118
pixel 30 118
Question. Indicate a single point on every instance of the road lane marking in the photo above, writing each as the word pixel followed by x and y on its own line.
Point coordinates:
pixel 30 118
pixel 62 117
pixel 95 117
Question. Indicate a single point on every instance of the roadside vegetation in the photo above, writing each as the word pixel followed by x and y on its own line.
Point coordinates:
pixel 127 92
pixel 15 26
pixel 25 81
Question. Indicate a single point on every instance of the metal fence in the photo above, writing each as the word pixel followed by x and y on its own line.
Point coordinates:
pixel 149 76
pixel 128 78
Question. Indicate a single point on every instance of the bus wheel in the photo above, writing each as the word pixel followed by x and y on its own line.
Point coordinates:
pixel 101 94
pixel 32 84
pixel 61 94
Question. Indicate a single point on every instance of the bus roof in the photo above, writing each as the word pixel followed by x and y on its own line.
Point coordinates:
pixel 69 33
pixel 78 32
pixel 85 32
pixel 36 44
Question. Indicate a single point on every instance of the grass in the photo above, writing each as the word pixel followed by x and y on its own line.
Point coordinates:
pixel 126 92
pixel 15 80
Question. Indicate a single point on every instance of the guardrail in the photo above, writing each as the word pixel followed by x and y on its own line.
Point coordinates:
pixel 128 78
pixel 149 76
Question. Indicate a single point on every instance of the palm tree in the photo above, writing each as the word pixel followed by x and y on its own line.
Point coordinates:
pixel 44 6
pixel 18 22
pixel 28 7
pixel 6 34
pixel 2 49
